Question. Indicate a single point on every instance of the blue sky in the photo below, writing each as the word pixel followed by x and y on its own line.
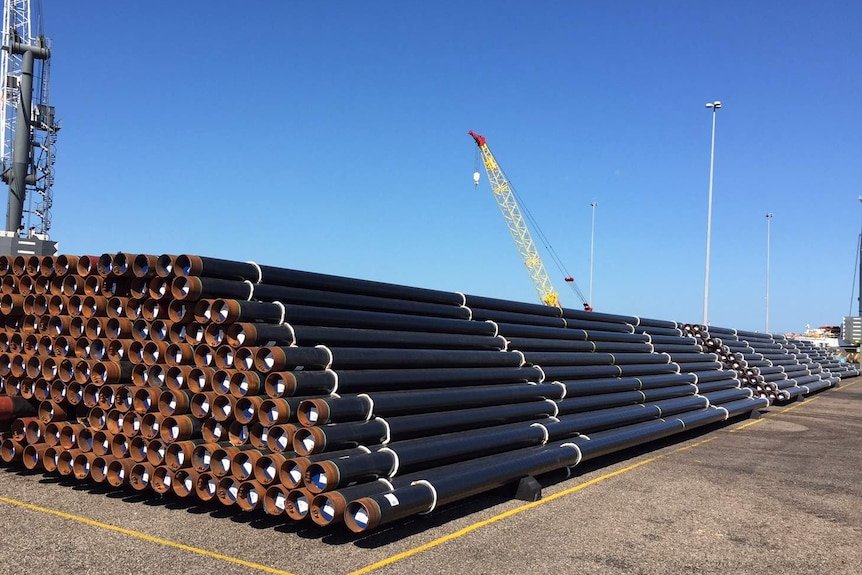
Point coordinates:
pixel 332 136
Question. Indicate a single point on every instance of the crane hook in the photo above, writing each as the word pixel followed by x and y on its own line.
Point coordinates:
pixel 476 177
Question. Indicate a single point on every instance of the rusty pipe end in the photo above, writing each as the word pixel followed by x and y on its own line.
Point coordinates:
pixel 104 264
pixel 275 500
pixel 205 487
pixel 242 464
pixel 225 311
pixel 239 334
pixel 268 359
pixel 184 482
pixel 33 455
pixel 313 412
pixel 82 465
pixel 327 508
pixel 292 471
pixel 280 384
pixel 162 480
pixel 267 466
pixel 309 440
pixel 362 515
pixel 141 475
pixel 280 437
pixel 247 409
pixel 166 265
pixel 85 439
pixel 249 495
pixel 322 476
pixel 245 383
pixel 202 456
pixel 188 265
pixel 186 288
pixel 11 451
pixel 226 490
pixel 297 504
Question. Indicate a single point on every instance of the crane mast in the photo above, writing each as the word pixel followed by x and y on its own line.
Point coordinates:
pixel 28 132
pixel 517 225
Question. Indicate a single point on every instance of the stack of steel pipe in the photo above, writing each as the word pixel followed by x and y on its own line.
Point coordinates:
pixel 776 368
pixel 307 394
pixel 827 360
pixel 610 382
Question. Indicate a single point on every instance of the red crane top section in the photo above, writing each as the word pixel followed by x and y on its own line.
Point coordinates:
pixel 480 140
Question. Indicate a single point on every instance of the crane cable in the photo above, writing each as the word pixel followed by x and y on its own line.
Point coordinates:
pixel 550 248
pixel 534 225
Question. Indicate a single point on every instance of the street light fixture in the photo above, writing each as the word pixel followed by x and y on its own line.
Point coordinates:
pixel 768 241
pixel 714 106
pixel 592 246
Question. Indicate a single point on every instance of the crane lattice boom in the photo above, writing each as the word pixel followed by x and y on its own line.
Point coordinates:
pixel 517 225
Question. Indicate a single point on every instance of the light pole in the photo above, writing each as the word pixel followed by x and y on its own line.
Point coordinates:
pixel 768 240
pixel 860 271
pixel 592 248
pixel 714 106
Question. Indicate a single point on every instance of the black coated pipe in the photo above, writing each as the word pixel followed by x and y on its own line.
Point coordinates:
pixel 604 442
pixel 250 334
pixel 659 331
pixel 651 322
pixel 454 482
pixel 359 381
pixel 317 439
pixel 735 408
pixel 605 400
pixel 672 348
pixel 585 387
pixel 334 317
pixel 288 358
pixel 693 357
pixel 534 331
pixel 292 469
pixel 590 371
pixel 709 386
pixel 387 404
pixel 553 358
pixel 699 366
pixel 479 314
pixel 352 337
pixel 317 297
pixel 598 420
pixel 531 344
pixel 727 395
pixel 402 457
pixel 474 301
pixel 329 507
pixel 579 314
pixel 713 375
pixel 195 265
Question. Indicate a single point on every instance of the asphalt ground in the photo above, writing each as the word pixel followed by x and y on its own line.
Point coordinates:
pixel 781 495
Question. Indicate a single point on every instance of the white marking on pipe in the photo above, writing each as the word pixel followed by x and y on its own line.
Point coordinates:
pixel 433 494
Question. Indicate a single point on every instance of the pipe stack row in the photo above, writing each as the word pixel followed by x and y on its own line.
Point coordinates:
pixel 774 367
pixel 325 397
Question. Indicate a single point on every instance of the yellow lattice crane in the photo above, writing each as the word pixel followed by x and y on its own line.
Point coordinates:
pixel 505 197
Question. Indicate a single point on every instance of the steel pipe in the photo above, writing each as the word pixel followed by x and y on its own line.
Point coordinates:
pixel 310 440
pixel 319 411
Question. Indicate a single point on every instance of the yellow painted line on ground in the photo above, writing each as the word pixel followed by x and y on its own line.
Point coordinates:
pixel 527 506
pixel 145 537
